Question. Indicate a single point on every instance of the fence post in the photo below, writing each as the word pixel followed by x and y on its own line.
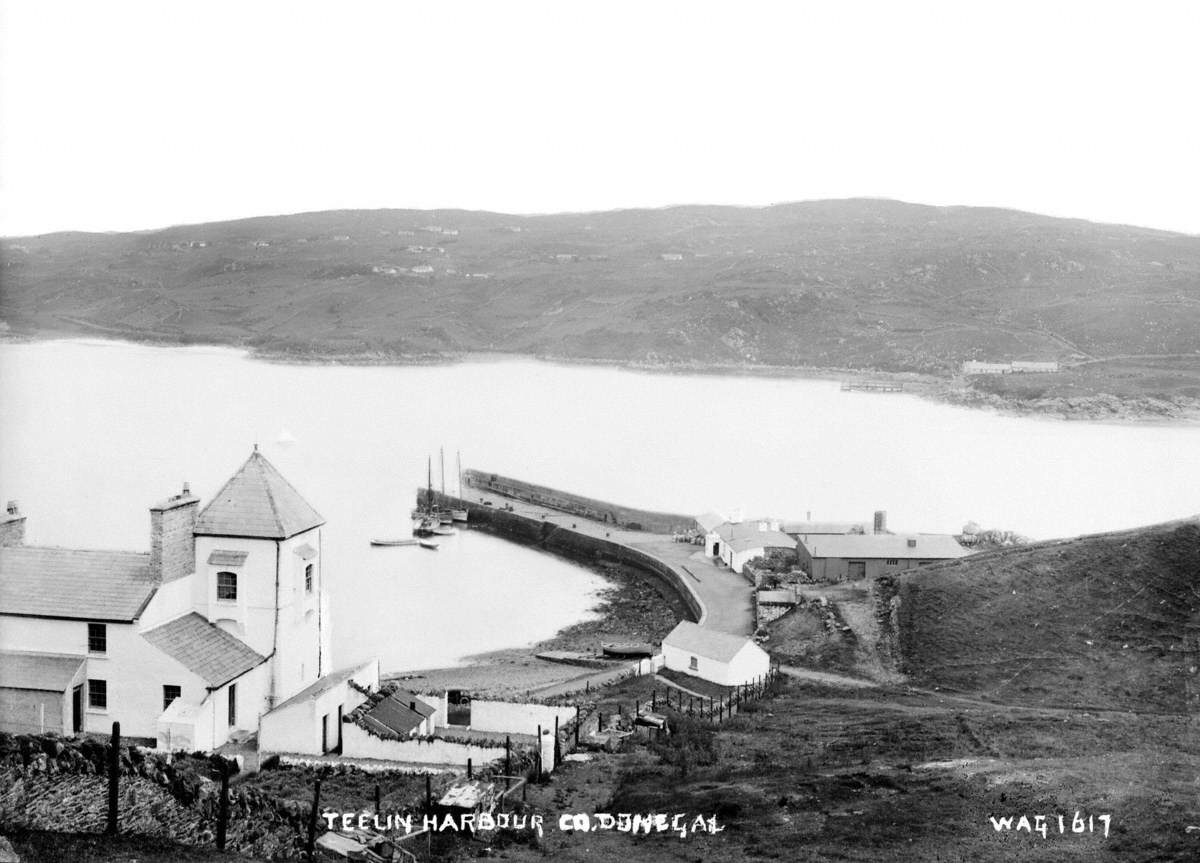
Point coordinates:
pixel 223 807
pixel 428 794
pixel 507 755
pixel 557 753
pixel 653 699
pixel 378 800
pixel 311 844
pixel 114 774
pixel 577 720
pixel 469 772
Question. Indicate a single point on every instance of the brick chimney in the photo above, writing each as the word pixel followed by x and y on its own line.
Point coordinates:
pixel 881 521
pixel 12 526
pixel 172 544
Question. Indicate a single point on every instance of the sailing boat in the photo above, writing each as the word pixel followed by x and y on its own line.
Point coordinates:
pixel 444 516
pixel 459 514
pixel 425 518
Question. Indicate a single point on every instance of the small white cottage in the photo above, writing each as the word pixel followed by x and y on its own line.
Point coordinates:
pixel 719 657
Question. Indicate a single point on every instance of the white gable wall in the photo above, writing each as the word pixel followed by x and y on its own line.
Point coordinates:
pixel 749 663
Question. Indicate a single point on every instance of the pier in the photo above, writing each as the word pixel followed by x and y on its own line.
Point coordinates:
pixel 715 596
pixel 872 387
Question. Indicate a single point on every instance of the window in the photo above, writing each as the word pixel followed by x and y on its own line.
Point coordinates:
pixel 98 694
pixel 97 638
pixel 170 693
pixel 232 704
pixel 892 561
pixel 695 666
pixel 227 585
pixel 308 578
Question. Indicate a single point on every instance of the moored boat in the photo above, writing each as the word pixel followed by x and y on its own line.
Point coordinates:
pixel 627 648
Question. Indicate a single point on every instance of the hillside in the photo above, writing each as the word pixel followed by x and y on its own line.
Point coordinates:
pixel 861 284
pixel 1106 622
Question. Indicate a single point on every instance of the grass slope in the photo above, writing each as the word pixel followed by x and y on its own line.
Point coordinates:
pixel 854 283
pixel 1109 621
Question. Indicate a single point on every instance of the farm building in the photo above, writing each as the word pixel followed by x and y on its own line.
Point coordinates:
pixel 852 557
pixel 719 657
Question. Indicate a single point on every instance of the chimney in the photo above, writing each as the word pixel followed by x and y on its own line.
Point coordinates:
pixel 881 521
pixel 172 543
pixel 412 705
pixel 12 526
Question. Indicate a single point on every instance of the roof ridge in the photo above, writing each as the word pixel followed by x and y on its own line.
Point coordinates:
pixel 267 488
pixel 69 548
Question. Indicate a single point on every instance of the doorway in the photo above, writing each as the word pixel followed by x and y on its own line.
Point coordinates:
pixel 77 709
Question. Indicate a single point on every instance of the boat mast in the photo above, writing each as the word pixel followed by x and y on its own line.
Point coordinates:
pixel 458 464
pixel 429 485
pixel 442 461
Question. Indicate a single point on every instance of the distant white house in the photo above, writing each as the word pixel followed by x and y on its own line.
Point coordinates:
pixel 719 657
pixel 974 367
pixel 736 543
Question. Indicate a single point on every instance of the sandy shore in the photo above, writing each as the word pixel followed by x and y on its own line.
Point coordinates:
pixel 630 609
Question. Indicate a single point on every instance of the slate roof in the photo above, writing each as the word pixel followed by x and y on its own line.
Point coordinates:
pixel 929 546
pixel 319 686
pixel 209 652
pixel 390 717
pixel 257 503
pixel 74 583
pixel 47 672
pixel 826 527
pixel 710 521
pixel 761 539
pixel 709 643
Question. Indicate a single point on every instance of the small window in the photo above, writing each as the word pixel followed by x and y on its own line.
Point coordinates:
pixel 170 693
pixel 308 578
pixel 892 561
pixel 98 694
pixel 232 704
pixel 97 638
pixel 227 585
pixel 695 666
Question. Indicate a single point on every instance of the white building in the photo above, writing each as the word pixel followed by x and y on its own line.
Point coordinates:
pixel 736 543
pixel 189 644
pixel 719 657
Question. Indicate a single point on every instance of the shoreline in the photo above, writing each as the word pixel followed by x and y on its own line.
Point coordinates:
pixel 630 608
pixel 948 390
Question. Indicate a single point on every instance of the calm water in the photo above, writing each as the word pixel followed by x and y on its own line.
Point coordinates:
pixel 93 432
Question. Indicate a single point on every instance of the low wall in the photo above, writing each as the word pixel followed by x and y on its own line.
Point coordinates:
pixel 509 717
pixel 359 743
pixel 569 543
pixel 585 507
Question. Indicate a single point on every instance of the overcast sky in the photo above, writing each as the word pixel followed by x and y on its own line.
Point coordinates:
pixel 122 115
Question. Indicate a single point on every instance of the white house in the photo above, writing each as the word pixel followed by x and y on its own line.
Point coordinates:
pixel 311 721
pixel 188 644
pixel 735 543
pixel 719 657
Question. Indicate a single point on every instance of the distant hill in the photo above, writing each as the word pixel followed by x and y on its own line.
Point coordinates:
pixel 1109 621
pixel 864 284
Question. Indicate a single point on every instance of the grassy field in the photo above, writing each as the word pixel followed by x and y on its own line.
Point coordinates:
pixel 857 284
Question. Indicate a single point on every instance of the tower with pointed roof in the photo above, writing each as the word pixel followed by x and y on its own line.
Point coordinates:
pixel 258 574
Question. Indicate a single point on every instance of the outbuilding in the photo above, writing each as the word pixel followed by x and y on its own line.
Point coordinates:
pixel 718 657
pixel 851 557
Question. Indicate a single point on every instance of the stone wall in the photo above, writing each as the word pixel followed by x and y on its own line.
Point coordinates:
pixel 577 546
pixel 172 544
pixel 60 784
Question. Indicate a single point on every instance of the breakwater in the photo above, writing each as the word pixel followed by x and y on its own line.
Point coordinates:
pixel 574 544
pixel 574 504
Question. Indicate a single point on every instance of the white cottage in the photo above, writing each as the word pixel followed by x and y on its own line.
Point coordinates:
pixel 736 543
pixel 719 657
pixel 188 644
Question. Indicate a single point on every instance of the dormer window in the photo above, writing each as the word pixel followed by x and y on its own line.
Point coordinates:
pixel 227 586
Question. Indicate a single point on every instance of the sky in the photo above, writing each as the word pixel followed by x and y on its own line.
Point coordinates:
pixel 133 115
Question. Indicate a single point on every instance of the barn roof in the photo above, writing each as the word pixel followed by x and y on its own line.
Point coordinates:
pixel 75 583
pixel 710 521
pixel 925 546
pixel 709 643
pixel 257 503
pixel 207 651
pixel 392 716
